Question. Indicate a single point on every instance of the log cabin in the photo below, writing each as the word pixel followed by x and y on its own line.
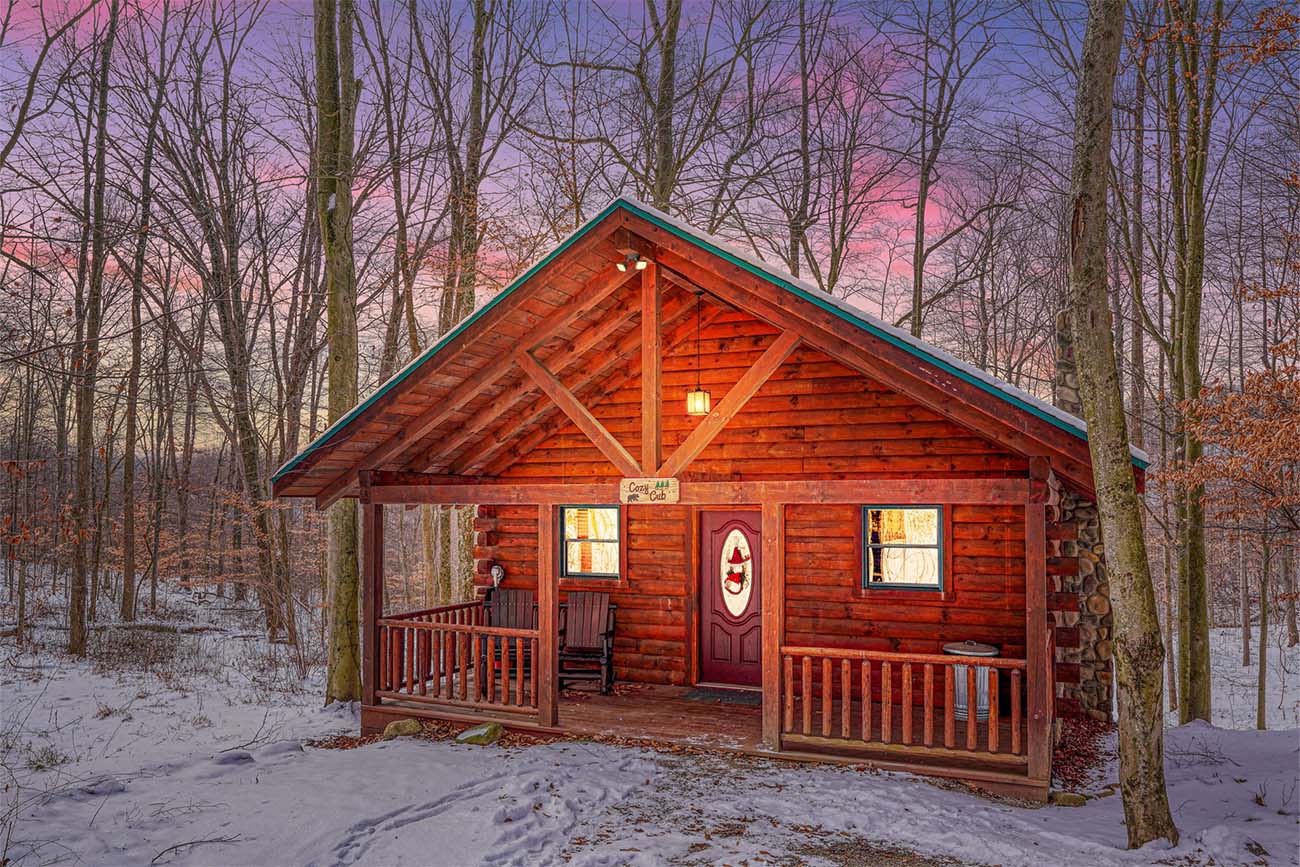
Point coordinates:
pixel 798 512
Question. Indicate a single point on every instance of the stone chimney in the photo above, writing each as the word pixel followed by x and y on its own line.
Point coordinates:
pixel 1080 597
pixel 1065 382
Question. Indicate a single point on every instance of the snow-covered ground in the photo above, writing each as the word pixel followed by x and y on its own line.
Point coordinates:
pixel 1236 685
pixel 201 762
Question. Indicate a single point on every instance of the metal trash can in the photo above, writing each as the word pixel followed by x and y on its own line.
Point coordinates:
pixel 961 702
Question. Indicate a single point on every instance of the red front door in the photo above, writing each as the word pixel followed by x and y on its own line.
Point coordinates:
pixel 730 599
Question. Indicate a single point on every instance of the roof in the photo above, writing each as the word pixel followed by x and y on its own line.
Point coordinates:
pixel 1014 397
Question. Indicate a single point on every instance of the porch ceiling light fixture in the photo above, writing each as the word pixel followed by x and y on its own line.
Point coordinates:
pixel 633 260
pixel 698 401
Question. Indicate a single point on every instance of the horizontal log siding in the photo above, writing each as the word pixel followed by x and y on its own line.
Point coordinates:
pixel 824 606
pixel 814 419
pixel 650 641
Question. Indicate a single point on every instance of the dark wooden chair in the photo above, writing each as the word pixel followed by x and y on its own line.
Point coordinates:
pixel 509 609
pixel 587 639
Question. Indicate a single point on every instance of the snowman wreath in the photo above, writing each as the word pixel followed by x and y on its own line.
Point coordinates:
pixel 737 577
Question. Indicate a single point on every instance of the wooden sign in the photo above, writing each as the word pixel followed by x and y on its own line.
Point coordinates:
pixel 649 491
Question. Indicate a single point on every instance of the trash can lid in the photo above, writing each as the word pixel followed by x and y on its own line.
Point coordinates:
pixel 969 648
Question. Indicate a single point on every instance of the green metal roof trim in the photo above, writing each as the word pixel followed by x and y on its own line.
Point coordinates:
pixel 842 310
pixel 397 378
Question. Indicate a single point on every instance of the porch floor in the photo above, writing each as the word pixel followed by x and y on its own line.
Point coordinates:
pixel 667 714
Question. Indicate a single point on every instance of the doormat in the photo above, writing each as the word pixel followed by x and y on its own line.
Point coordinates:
pixel 726 696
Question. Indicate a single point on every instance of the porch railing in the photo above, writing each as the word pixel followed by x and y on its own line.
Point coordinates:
pixel 451 656
pixel 839 697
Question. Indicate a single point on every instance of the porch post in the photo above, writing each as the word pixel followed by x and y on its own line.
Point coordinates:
pixel 773 620
pixel 372 592
pixel 1036 645
pixel 548 618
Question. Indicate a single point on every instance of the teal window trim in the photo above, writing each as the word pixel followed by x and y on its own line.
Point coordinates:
pixel 868 546
pixel 565 540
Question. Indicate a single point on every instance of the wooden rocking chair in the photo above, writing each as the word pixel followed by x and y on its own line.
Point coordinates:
pixel 587 639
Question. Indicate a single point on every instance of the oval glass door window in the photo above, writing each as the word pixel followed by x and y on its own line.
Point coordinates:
pixel 737 573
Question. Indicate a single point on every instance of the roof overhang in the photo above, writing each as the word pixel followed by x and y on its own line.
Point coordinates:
pixel 998 410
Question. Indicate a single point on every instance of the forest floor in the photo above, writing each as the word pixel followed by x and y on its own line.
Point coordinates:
pixel 194 747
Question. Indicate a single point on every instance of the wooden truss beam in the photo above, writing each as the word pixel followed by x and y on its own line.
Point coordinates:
pixel 988 415
pixel 609 282
pixel 448 447
pixel 735 399
pixel 407 488
pixel 538 435
pixel 652 427
pixel 578 413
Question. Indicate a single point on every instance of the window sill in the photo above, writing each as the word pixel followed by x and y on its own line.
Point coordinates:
pixel 914 596
pixel 597 584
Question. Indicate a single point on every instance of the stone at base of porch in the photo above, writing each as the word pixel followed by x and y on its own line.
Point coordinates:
pixel 661 715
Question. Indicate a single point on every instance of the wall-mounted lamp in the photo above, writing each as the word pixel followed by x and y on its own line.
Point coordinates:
pixel 498 574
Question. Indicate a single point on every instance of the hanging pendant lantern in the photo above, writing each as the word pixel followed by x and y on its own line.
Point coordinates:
pixel 698 401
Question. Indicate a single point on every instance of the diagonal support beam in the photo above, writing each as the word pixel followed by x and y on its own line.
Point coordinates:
pixel 580 415
pixel 739 395
pixel 494 461
pixel 609 282
pixel 420 457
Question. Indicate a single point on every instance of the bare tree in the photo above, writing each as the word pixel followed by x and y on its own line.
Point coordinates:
pixel 1139 654
pixel 336 101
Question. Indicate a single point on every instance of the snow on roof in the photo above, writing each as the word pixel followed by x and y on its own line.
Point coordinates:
pixel 878 327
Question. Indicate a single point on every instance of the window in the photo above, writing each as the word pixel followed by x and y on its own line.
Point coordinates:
pixel 590 541
pixel 902 547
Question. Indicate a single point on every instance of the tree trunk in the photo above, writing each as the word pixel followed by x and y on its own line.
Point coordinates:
pixel 1288 586
pixel 336 119
pixel 1261 690
pixel 1139 654
pixel 83 506
pixel 1243 600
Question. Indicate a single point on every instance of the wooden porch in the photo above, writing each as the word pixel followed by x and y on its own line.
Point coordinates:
pixel 696 718
pixel 892 711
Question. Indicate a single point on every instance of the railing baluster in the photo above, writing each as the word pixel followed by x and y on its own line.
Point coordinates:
pixel 396 651
pixel 421 650
pixel 949 707
pixel 886 706
pixel 476 642
pixel 1015 711
pixel 971 721
pixel 410 661
pixel 519 671
pixel 436 656
pixel 532 674
pixel 807 694
pixel 928 704
pixel 907 702
pixel 866 699
pixel 463 651
pixel 827 696
pixel 993 710
pixel 846 696
pixel 789 694
pixel 505 670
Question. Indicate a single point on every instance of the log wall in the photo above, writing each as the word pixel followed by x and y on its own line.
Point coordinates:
pixel 814 419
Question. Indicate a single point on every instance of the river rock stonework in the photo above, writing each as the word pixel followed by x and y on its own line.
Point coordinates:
pixel 1078 592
